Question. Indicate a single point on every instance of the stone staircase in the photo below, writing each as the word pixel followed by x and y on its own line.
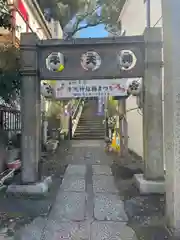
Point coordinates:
pixel 90 125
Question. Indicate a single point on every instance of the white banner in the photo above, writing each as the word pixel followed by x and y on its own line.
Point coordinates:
pixel 91 88
pixel 100 106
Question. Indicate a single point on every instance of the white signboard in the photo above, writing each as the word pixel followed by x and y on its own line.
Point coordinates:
pixel 91 88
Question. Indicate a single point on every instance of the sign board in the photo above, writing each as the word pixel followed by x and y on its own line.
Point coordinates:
pixel 98 58
pixel 91 88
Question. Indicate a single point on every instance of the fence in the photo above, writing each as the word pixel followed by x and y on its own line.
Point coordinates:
pixel 10 121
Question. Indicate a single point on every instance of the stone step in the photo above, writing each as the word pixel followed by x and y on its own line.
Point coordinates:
pixel 86 125
pixel 90 123
pixel 89 137
pixel 90 131
pixel 90 128
pixel 90 116
pixel 93 121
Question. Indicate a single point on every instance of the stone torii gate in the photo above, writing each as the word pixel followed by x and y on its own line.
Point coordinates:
pixel 84 59
pixel 62 60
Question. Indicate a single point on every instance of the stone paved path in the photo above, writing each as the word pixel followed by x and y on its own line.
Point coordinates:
pixel 87 206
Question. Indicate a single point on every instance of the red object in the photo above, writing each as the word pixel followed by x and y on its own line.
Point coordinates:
pixel 14 165
pixel 24 13
pixel 22 10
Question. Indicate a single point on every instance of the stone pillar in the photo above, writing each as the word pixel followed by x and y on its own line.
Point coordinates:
pixel 30 109
pixel 152 110
pixel 153 179
pixel 171 20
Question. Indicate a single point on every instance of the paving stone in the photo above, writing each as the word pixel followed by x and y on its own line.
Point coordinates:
pixel 109 207
pixel 32 231
pixel 102 183
pixel 69 206
pixel 76 170
pixel 101 170
pixel 6 238
pixel 67 230
pixel 87 144
pixel 111 231
pixel 3 237
pixel 73 183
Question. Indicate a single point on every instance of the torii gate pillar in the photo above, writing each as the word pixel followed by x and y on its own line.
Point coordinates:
pixel 171 19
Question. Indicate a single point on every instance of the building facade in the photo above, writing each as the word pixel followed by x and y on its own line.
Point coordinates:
pixel 28 17
pixel 133 18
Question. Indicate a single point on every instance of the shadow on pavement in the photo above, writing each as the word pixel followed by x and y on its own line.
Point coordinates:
pixel 146 213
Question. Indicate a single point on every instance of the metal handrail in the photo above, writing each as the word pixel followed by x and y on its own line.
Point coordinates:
pixel 77 109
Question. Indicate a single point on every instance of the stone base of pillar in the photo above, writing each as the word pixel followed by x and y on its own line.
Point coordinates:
pixel 147 186
pixel 36 189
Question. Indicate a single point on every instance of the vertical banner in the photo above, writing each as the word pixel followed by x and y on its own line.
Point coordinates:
pixel 100 106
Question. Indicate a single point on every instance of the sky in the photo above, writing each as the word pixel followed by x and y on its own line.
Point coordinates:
pixel 92 32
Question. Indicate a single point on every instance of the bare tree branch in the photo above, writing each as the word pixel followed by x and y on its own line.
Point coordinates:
pixel 104 17
pixel 84 16
pixel 84 27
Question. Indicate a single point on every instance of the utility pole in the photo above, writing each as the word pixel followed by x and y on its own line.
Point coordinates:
pixel 148 13
pixel 171 35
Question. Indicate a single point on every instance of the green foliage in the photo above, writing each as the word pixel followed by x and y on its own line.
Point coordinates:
pixel 99 12
pixel 112 106
pixel 66 10
pixel 9 60
pixel 9 73
pixel 62 10
pixel 93 12
pixel 70 8
pixel 55 108
pixel 5 15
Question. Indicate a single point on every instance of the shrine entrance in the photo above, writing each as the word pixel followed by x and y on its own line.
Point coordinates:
pixel 82 68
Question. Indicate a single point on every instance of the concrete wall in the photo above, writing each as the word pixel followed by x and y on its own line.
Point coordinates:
pixel 133 18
